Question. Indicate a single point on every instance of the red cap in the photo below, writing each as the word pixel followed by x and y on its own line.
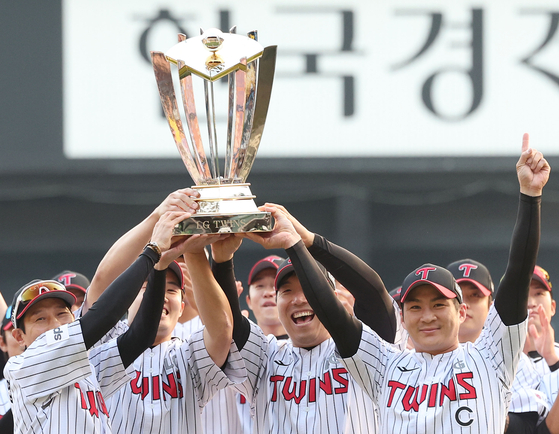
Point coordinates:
pixel 269 262
pixel 542 276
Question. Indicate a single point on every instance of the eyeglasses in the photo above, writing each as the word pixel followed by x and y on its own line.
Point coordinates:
pixel 33 290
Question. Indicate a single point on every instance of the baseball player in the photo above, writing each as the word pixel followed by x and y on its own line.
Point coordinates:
pixel 10 346
pixel 174 379
pixel 540 344
pixel 477 288
pixel 441 386
pixel 56 384
pixel 261 298
pixel 300 385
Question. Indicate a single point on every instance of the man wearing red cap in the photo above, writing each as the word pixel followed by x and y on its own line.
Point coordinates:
pixel 476 284
pixel 59 382
pixel 300 385
pixel 540 343
pixel 261 298
pixel 441 386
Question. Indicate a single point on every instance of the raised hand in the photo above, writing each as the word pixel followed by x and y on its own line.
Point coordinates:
pixel 306 235
pixel 179 200
pixel 162 233
pixel 532 169
pixel 224 249
pixel 282 236
pixel 543 336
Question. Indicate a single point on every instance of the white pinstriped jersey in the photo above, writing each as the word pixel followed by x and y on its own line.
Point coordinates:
pixel 185 329
pixel 463 391
pixel 526 396
pixel 550 386
pixel 227 412
pixel 172 382
pixel 5 403
pixel 541 365
pixel 293 389
pixel 57 388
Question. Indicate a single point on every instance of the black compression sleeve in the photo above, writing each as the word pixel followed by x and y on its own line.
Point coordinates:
pixel 373 304
pixel 344 328
pixel 542 428
pixel 116 299
pixel 225 276
pixel 7 423
pixel 522 423
pixel 511 300
pixel 143 330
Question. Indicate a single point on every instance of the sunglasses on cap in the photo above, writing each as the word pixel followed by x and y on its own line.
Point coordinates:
pixel 32 291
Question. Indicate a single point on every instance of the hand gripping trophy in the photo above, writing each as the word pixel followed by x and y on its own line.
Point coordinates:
pixel 226 202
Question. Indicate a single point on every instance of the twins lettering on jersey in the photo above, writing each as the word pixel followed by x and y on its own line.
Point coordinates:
pixel 436 394
pixel 332 382
pixel 145 385
pixel 93 403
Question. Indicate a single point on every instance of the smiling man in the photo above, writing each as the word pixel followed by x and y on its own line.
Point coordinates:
pixel 441 386
pixel 476 284
pixel 261 298
pixel 60 382
pixel 300 385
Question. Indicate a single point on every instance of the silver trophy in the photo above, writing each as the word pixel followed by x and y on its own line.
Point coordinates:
pixel 226 202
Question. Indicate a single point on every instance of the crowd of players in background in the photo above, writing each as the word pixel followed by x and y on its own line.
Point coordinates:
pixel 331 351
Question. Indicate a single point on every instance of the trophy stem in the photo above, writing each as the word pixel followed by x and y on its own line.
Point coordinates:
pixel 212 133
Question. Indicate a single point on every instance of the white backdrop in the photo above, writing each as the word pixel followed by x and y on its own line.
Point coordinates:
pixel 350 78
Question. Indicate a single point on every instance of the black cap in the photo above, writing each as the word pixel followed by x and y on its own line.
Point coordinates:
pixel 73 280
pixel 396 293
pixel 436 276
pixel 269 262
pixel 176 268
pixel 468 270
pixel 286 268
pixel 7 321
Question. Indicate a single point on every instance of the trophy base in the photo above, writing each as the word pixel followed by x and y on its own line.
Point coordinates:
pixel 225 223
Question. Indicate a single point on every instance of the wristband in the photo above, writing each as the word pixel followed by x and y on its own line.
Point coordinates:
pixel 153 246
pixel 554 367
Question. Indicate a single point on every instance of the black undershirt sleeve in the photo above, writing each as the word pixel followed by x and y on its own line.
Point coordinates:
pixel 143 330
pixel 522 423
pixel 116 299
pixel 7 423
pixel 542 428
pixel 511 298
pixel 373 304
pixel 225 276
pixel 344 328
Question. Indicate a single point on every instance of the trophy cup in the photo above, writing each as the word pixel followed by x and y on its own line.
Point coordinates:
pixel 226 204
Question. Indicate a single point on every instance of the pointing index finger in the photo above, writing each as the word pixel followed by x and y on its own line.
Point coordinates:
pixel 525 142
